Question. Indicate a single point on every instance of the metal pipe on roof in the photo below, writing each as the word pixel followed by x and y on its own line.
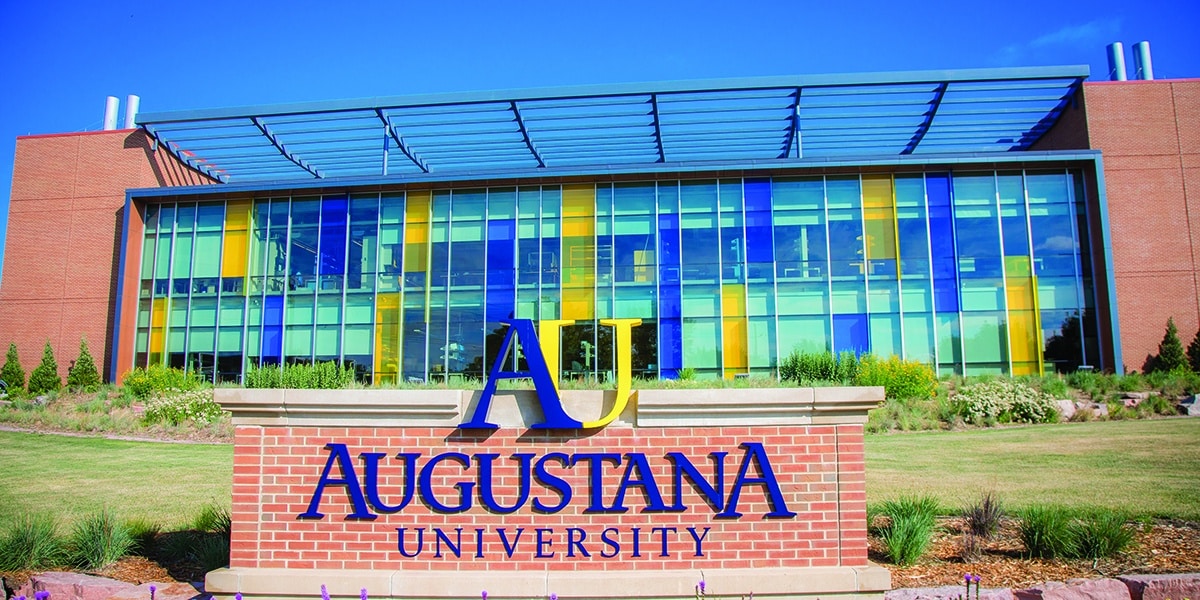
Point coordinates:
pixel 111 105
pixel 131 110
pixel 1142 66
pixel 1116 61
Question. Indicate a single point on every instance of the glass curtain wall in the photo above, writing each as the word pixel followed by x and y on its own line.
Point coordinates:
pixel 973 272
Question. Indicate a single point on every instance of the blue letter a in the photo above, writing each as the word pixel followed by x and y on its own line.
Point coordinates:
pixel 547 394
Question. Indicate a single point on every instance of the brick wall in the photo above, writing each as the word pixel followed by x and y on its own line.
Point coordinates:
pixel 64 232
pixel 1148 133
pixel 820 469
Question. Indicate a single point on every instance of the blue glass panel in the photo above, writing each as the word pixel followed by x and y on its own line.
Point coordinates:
pixel 668 248
pixel 850 334
pixel 333 236
pixel 945 295
pixel 670 347
pixel 501 254
pixel 941 239
pixel 760 241
pixel 758 195
pixel 937 189
pixel 272 333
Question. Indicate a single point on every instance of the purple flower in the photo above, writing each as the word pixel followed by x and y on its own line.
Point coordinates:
pixel 42 595
pixel 324 592
pixel 976 578
pixel 484 594
pixel 701 586
pixel 152 590
pixel 967 577
pixel 22 597
pixel 362 594
pixel 237 596
pixel 553 596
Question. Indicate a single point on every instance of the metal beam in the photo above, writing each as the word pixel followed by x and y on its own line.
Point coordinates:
pixel 924 127
pixel 794 128
pixel 176 152
pixel 662 157
pixel 525 134
pixel 278 146
pixel 400 143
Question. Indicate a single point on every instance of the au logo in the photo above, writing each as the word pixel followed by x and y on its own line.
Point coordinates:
pixel 537 348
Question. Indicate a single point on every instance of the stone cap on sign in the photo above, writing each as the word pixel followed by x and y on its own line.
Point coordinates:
pixel 520 408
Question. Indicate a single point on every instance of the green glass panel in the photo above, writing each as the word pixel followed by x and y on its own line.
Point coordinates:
pixel 701 301
pixel 974 189
pixel 760 300
pixel 730 195
pixel 162 256
pixel 883 297
pixel 179 314
pixel 949 344
pixel 142 341
pixel 201 339
pixel 203 313
pixel 441 206
pixel 176 339
pixel 698 197
pixel 915 296
pixel 1047 188
pixel 1057 293
pixel 849 297
pixel 229 340
pixel 469 205
pixel 551 202
pixel 329 310
pixel 634 199
pixel 1010 188
pixel 183 256
pixel 604 302
pixel 668 197
pixel 327 340
pixel 358 340
pixel 984 339
pixel 885 335
pixel 702 343
pixel 299 310
pixel 803 333
pixel 919 337
pixel 762 342
pixel 803 193
pixel 604 200
pixel 803 299
pixel 843 192
pixel 910 191
pixel 982 294
pixel 634 302
pixel 359 308
pixel 297 341
pixel 529 202
pixel 208 254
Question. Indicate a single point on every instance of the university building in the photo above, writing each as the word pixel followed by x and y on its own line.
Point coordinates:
pixel 1019 221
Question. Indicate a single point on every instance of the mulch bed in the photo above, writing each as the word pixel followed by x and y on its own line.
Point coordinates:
pixel 1169 546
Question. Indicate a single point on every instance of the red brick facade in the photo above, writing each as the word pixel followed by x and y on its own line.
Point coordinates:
pixel 1149 134
pixel 820 469
pixel 62 251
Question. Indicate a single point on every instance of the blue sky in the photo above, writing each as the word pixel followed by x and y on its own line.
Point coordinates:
pixel 61 59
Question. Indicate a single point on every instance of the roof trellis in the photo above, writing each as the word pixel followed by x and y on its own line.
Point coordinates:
pixel 760 119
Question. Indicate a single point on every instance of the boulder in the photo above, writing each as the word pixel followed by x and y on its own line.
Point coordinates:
pixel 1076 589
pixel 1066 409
pixel 73 586
pixel 1099 409
pixel 1189 407
pixel 946 592
pixel 1136 396
pixel 1162 587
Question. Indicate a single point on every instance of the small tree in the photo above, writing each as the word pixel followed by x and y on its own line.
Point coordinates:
pixel 12 373
pixel 1170 351
pixel 83 375
pixel 45 377
pixel 1193 353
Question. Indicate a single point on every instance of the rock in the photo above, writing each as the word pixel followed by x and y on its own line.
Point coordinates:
pixel 1190 407
pixel 947 592
pixel 1099 409
pixel 1066 409
pixel 1138 396
pixel 1162 587
pixel 73 586
pixel 164 591
pixel 1076 589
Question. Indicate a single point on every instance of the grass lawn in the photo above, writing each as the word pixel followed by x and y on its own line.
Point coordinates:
pixel 74 476
pixel 1146 467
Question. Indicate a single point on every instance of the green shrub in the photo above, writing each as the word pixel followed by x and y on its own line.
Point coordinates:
pixel 1004 400
pixel 83 375
pixel 847 366
pixel 686 374
pixel 143 532
pixel 12 373
pixel 807 367
pixel 45 376
pixel 196 406
pixel 901 379
pixel 910 527
pixel 1100 534
pixel 983 517
pixel 157 379
pixel 98 540
pixel 319 376
pixel 213 518
pixel 1046 532
pixel 1156 405
pixel 212 552
pixel 31 542
pixel 907 415
pixel 1170 355
pixel 907 538
pixel 1193 353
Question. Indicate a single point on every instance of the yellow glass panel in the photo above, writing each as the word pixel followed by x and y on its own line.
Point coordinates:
pixel 158 328
pixel 1026 340
pixel 643 266
pixel 416 232
pixel 579 303
pixel 879 217
pixel 387 338
pixel 734 329
pixel 578 201
pixel 237 224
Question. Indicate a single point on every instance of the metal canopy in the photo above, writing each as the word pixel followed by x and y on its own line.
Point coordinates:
pixel 756 119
